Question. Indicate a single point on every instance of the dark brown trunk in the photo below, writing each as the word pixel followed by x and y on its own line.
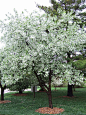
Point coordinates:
pixel 34 91
pixel 70 92
pixel 49 91
pixel 2 93
pixel 50 100
pixel 20 91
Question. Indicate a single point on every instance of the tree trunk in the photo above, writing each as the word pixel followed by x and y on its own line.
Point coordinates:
pixel 50 100
pixel 70 92
pixel 20 91
pixel 34 91
pixel 2 93
pixel 49 91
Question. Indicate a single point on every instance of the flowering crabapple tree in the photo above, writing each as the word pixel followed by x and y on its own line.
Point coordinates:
pixel 27 40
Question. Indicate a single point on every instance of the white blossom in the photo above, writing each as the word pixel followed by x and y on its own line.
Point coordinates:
pixel 29 48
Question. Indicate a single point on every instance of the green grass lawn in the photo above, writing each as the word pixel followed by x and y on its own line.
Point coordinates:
pixel 26 105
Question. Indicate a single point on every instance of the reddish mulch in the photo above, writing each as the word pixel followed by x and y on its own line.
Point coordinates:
pixel 47 110
pixel 5 101
pixel 65 96
pixel 68 96
pixel 18 94
pixel 41 91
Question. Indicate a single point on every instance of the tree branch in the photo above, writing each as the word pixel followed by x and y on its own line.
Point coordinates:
pixel 40 82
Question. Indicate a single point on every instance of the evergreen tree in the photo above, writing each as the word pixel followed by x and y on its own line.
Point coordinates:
pixel 77 6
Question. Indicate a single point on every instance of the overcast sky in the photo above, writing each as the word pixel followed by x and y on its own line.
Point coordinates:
pixel 8 6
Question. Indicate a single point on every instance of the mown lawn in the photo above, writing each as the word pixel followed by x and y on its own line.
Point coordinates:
pixel 26 105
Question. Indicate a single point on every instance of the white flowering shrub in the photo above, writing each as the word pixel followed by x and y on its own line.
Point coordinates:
pixel 56 81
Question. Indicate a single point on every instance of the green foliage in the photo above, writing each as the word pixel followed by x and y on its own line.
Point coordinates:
pixel 20 85
pixel 79 64
pixel 79 57
pixel 68 6
pixel 68 59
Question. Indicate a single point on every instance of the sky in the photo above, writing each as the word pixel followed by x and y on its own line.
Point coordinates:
pixel 8 6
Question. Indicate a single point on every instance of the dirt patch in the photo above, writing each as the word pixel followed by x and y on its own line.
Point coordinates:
pixel 47 110
pixel 18 94
pixel 5 101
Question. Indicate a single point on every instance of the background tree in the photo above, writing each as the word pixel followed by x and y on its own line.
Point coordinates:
pixel 77 6
pixel 38 51
pixel 20 85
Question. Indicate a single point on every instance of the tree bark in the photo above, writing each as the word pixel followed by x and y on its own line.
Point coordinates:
pixel 34 91
pixel 50 100
pixel 2 92
pixel 70 91
pixel 20 91
pixel 49 91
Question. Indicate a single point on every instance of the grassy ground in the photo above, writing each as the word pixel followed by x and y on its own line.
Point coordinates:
pixel 26 105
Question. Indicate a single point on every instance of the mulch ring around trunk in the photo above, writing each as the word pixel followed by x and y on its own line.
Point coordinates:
pixel 4 101
pixel 47 110
pixel 41 91
pixel 20 94
pixel 66 96
pixel 69 96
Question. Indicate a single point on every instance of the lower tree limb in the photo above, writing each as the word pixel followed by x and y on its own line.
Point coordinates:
pixel 48 89
pixel 41 89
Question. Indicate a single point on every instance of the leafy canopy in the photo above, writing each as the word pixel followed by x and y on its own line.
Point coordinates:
pixel 30 48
